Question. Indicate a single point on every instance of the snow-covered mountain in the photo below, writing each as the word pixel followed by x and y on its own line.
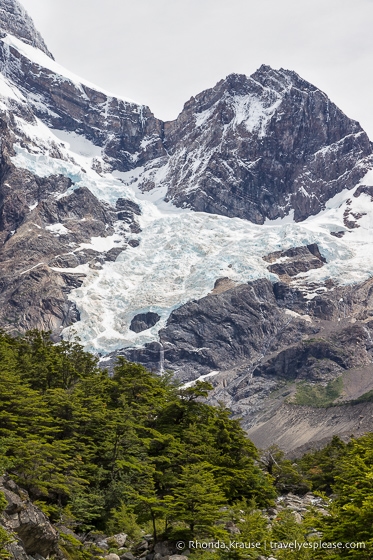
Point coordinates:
pixel 262 147
pixel 210 243
pixel 15 20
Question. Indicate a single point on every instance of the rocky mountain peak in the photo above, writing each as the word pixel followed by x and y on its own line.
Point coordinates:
pixel 15 20
pixel 265 82
pixel 279 80
pixel 262 146
pixel 265 76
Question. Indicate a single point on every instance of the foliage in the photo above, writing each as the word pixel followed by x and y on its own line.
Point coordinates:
pixel 5 538
pixel 352 510
pixel 133 451
pixel 345 472
pixel 114 453
pixel 366 397
pixel 287 475
pixel 197 500
pixel 318 395
pixel 3 502
pixel 124 520
pixel 321 467
pixel 73 549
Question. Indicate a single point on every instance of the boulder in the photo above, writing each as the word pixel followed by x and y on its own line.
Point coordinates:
pixel 127 556
pixel 33 528
pixel 143 321
pixel 232 528
pixel 17 551
pixel 163 548
pixel 142 546
pixel 120 539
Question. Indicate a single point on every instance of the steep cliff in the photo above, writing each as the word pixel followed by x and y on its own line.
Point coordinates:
pixel 15 20
pixel 262 146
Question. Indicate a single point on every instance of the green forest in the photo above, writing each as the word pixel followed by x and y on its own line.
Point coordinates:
pixel 134 452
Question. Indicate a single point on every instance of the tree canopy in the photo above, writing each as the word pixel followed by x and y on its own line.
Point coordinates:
pixel 88 446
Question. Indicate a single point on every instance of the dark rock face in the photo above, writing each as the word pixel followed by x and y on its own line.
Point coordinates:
pixel 41 225
pixel 219 331
pixel 15 20
pixel 126 209
pixel 261 146
pixel 116 125
pixel 254 148
pixel 312 360
pixel 364 189
pixel 261 340
pixel 143 321
pixel 36 534
pixel 267 330
pixel 298 259
pixel 33 292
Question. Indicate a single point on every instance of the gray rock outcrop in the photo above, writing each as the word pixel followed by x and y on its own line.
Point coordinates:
pixel 143 321
pixel 260 340
pixel 35 533
pixel 15 20
pixel 261 146
pixel 221 331
pixel 295 260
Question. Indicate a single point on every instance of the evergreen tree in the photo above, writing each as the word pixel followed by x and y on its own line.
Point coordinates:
pixel 92 449
pixel 197 500
pixel 321 467
pixel 352 510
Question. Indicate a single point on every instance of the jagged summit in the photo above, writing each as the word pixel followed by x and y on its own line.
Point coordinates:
pixel 15 20
pixel 81 164
pixel 262 146
pixel 264 82
pixel 280 79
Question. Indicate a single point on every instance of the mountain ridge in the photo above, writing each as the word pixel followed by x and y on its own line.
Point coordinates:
pixel 226 238
pixel 15 20
pixel 274 170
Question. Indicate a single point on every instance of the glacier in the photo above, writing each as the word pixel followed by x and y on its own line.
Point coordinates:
pixel 182 253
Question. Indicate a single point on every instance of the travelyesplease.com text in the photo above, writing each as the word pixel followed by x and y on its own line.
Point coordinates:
pixel 269 545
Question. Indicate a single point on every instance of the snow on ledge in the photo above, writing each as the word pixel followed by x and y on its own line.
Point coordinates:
pixel 37 56
pixel 57 229
pixel 200 378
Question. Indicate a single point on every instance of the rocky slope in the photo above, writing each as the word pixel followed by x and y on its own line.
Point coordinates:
pixel 224 241
pixel 30 530
pixel 261 147
pixel 269 350
pixel 34 294
pixel 15 20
